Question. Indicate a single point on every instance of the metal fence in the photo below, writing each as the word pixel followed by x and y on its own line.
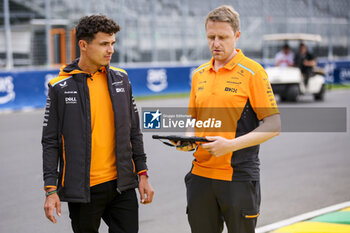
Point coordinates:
pixel 40 32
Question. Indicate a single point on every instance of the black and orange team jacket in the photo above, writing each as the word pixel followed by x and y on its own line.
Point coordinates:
pixel 68 141
pixel 240 95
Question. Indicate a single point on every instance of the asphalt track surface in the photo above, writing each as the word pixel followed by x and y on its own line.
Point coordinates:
pixel 300 172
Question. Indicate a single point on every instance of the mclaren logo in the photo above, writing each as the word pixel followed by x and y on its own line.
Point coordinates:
pixel 236 83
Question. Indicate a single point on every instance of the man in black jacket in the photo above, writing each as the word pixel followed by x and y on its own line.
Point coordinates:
pixel 305 61
pixel 93 154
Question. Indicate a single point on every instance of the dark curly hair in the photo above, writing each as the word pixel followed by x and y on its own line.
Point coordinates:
pixel 88 26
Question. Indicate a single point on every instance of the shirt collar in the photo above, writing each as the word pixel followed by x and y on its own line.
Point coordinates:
pixel 232 63
pixel 102 69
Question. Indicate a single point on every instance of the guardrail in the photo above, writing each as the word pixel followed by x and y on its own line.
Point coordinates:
pixel 28 89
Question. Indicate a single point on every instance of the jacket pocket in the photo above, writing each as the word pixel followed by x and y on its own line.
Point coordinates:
pixel 249 219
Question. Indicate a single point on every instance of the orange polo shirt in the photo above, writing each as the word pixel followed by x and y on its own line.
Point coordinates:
pixel 239 95
pixel 103 161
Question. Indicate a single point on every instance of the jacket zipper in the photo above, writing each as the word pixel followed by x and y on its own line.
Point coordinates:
pixel 88 129
pixel 109 84
pixel 64 161
pixel 133 166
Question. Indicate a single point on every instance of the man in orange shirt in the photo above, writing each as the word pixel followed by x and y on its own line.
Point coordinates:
pixel 93 156
pixel 223 185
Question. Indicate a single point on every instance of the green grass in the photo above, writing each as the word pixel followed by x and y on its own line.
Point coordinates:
pixel 337 86
pixel 163 96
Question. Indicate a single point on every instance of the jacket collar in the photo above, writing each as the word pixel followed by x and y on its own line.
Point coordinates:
pixel 73 68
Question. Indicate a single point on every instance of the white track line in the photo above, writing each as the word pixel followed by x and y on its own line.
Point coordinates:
pixel 301 217
pixel 24 110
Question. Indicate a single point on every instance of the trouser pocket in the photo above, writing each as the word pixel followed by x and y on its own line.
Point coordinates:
pixel 250 214
pixel 250 217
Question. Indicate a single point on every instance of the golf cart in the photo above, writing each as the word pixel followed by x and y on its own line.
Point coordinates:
pixel 288 82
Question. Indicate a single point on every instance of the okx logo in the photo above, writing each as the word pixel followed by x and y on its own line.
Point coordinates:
pixel 152 120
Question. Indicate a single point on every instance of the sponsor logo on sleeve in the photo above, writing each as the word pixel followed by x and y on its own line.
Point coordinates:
pixel 47 111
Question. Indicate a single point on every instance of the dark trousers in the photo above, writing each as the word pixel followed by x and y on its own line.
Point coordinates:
pixel 307 72
pixel 210 203
pixel 119 211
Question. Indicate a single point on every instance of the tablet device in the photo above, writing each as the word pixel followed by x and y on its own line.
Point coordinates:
pixel 176 138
